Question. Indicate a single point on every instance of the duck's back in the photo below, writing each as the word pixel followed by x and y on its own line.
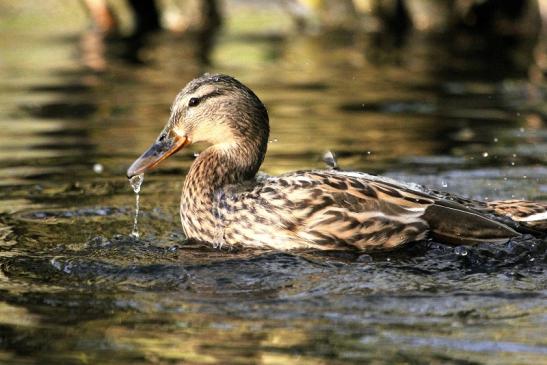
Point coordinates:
pixel 335 209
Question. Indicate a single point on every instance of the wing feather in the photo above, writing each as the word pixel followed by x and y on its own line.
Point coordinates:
pixel 334 209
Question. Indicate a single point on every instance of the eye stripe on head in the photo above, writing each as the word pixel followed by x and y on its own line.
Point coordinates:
pixel 193 101
pixel 177 110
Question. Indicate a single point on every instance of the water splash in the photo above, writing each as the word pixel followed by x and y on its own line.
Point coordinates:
pixel 330 160
pixel 460 251
pixel 136 182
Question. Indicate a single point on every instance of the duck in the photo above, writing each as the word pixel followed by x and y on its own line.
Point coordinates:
pixel 227 201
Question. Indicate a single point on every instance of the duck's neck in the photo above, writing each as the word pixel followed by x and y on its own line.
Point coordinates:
pixel 218 166
pixel 213 169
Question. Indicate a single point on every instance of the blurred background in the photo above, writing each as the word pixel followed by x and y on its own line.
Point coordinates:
pixel 409 83
pixel 447 93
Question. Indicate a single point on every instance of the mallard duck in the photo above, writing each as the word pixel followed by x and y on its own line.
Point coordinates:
pixel 225 201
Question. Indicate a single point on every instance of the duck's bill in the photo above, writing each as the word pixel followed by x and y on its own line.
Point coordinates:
pixel 164 147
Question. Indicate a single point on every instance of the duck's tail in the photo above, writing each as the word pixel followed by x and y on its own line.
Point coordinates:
pixel 529 214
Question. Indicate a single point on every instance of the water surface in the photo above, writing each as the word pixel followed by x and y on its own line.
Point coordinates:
pixel 77 287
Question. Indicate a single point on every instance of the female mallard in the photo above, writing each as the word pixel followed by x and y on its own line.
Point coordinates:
pixel 225 202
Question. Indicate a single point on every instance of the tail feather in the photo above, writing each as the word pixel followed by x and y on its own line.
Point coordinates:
pixel 527 213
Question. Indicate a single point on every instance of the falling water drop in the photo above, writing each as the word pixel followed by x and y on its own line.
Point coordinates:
pixel 330 160
pixel 136 182
pixel 485 154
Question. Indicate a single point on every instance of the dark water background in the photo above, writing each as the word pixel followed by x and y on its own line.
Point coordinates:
pixel 458 113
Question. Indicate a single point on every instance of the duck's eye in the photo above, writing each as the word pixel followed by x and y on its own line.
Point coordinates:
pixel 193 101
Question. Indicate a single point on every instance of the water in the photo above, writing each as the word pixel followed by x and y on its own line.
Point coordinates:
pixel 136 182
pixel 76 287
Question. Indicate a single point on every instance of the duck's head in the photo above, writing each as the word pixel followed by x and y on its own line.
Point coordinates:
pixel 217 110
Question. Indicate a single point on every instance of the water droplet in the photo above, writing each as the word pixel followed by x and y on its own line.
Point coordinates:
pixel 369 152
pixel 485 154
pixel 55 263
pixel 364 258
pixel 512 164
pixel 524 177
pixel 136 182
pixel 275 139
pixel 330 160
pixel 98 168
pixel 495 140
pixel 444 184
pixel 460 251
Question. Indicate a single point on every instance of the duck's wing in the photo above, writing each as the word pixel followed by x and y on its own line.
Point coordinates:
pixel 372 212
pixel 334 209
pixel 457 224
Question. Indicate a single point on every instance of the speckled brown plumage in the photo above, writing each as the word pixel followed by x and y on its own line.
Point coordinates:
pixel 225 202
pixel 530 214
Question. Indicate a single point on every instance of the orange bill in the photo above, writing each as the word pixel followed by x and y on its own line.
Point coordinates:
pixel 166 145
